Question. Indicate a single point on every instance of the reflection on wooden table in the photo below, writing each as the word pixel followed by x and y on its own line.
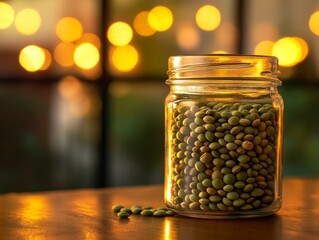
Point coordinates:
pixel 87 214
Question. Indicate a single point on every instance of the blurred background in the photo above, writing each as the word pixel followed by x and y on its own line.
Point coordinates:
pixel 82 83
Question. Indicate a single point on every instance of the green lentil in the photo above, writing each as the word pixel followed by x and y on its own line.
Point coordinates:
pixel 231 146
pixel 229 178
pixel 227 202
pixel 123 215
pixel 232 195
pixel 213 207
pixel 215 198
pixel 147 212
pixel 221 206
pixel 246 207
pixel 225 114
pixel 127 210
pixel 211 191
pixel 239 185
pixel 203 194
pixel 218 162
pixel 218 183
pixel 225 170
pixel 209 119
pixel 207 182
pixel 194 205
pixel 244 122
pixel 159 213
pixel 241 176
pixel 200 167
pixel 233 120
pixel 228 188
pixel 214 146
pixel 206 158
pixel 243 158
pixel 117 208
pixel 257 192
pixel 229 138
pixel 170 213
pixel 238 203
pixel 248 188
pixel 137 210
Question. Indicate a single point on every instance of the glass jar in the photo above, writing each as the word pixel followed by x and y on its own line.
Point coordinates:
pixel 224 136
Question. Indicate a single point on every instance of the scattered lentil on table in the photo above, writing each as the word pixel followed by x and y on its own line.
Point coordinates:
pixel 147 211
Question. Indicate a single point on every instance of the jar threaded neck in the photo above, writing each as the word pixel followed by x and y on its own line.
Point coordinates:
pixel 253 68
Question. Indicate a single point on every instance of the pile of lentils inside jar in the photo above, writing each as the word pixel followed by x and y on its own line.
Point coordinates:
pixel 223 156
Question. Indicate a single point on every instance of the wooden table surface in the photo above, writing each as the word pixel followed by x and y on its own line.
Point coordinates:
pixel 87 214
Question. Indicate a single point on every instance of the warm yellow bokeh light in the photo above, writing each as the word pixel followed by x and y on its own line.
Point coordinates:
pixel 314 22
pixel 124 58
pixel 28 21
pixel 32 58
pixel 86 56
pixel 288 51
pixel 160 18
pixel 120 33
pixel 63 54
pixel 208 17
pixel 90 38
pixel 304 48
pixel 141 25
pixel 264 48
pixel 6 15
pixel 187 36
pixel 69 29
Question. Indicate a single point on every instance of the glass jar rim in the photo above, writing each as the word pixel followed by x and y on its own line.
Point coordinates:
pixel 230 68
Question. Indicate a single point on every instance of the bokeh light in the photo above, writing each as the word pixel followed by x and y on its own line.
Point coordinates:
pixel 304 48
pixel 90 38
pixel 63 54
pixel 28 21
pixel 208 17
pixel 314 23
pixel 124 58
pixel 86 56
pixel 69 87
pixel 142 26
pixel 76 100
pixel 187 36
pixel 69 29
pixel 6 15
pixel 32 58
pixel 47 60
pixel 289 51
pixel 120 33
pixel 264 48
pixel 160 18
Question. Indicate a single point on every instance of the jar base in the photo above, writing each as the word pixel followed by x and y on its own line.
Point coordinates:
pixel 257 213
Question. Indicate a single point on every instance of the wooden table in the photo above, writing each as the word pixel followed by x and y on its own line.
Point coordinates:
pixel 87 214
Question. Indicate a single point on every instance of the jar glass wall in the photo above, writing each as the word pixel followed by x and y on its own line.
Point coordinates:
pixel 224 136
